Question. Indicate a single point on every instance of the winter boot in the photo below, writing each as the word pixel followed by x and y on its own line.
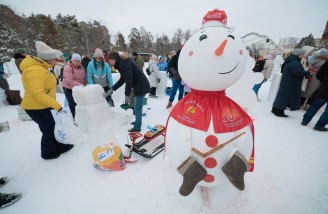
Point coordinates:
pixel 235 169
pixel 62 148
pixel 169 105
pixel 8 199
pixel 321 129
pixel 3 181
pixel 273 110
pixel 192 173
pixel 280 113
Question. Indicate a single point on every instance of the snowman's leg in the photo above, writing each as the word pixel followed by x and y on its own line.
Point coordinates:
pixel 206 201
pixel 192 173
pixel 235 170
pixel 221 196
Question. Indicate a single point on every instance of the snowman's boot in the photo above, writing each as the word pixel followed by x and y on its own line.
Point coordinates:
pixel 235 170
pixel 192 173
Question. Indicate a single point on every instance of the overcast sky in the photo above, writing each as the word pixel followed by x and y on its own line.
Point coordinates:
pixel 274 18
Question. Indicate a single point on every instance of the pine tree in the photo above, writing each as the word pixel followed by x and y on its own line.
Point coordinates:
pixel 178 39
pixel 309 40
pixel 149 44
pixel 324 38
pixel 135 43
pixel 120 44
pixel 162 45
pixel 187 35
pixel 9 41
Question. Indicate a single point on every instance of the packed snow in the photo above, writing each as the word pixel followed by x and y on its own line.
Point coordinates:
pixel 290 173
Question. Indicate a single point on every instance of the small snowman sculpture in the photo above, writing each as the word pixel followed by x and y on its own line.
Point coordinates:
pixel 209 137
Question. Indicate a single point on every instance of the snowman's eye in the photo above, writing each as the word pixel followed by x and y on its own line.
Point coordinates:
pixel 202 37
pixel 231 36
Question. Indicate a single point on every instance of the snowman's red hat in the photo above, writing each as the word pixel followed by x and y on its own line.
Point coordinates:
pixel 215 18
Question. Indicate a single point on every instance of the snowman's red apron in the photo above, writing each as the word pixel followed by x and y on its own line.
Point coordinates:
pixel 196 109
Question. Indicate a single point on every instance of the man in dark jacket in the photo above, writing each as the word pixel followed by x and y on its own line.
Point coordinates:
pixel 290 88
pixel 134 78
pixel 20 54
pixel 85 61
pixel 321 98
pixel 176 82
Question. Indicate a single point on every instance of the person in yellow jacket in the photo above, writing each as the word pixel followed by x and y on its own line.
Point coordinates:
pixel 40 97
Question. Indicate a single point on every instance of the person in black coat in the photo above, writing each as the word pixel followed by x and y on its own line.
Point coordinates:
pixel 289 92
pixel 134 78
pixel 85 61
pixel 321 98
pixel 176 81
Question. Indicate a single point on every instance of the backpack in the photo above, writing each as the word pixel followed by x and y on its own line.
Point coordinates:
pixel 148 71
pixel 259 65
pixel 61 75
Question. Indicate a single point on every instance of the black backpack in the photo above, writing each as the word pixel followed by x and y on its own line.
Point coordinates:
pixel 259 65
pixel 148 71
pixel 61 74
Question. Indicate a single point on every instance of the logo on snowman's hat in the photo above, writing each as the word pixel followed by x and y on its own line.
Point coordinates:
pixel 215 18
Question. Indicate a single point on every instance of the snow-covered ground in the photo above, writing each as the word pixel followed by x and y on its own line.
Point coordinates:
pixel 290 168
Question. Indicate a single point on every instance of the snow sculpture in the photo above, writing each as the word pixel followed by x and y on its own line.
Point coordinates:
pixel 91 107
pixel 209 137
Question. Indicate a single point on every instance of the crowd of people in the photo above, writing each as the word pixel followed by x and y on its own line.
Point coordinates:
pixel 40 86
pixel 304 82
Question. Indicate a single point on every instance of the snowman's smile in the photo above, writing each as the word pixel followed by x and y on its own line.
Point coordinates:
pixel 231 70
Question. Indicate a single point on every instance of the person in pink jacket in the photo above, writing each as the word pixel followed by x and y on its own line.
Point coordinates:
pixel 74 75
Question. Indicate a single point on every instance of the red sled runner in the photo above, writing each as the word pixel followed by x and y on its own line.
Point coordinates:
pixel 146 147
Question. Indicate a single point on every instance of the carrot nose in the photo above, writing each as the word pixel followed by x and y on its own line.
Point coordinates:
pixel 220 49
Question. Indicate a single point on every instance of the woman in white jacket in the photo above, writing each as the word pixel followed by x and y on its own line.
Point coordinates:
pixel 58 71
pixel 154 77
pixel 267 70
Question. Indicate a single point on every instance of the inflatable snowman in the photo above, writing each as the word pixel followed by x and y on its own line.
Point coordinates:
pixel 209 137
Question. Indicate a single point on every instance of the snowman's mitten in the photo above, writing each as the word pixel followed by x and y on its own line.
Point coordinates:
pixel 192 173
pixel 235 170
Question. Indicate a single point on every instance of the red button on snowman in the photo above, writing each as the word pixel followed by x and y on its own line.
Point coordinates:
pixel 209 137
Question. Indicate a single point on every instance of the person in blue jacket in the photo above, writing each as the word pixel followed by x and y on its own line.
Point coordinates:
pixel 162 64
pixel 99 72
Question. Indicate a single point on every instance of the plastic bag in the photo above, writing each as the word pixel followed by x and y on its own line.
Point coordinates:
pixel 65 129
pixel 108 157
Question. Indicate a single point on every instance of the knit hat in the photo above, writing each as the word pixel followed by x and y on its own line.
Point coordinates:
pixel 153 57
pixel 112 55
pixel 215 18
pixel 21 50
pixel 45 52
pixel 76 57
pixel 298 51
pixel 98 53
pixel 60 54
pixel 308 49
pixel 134 53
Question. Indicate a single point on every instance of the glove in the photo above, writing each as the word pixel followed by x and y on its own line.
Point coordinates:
pixel 127 99
pixel 110 92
